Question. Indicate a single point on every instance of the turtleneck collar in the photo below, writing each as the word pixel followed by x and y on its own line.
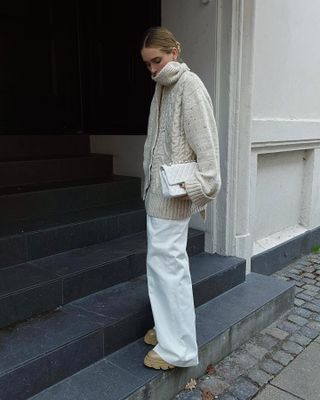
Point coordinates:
pixel 170 73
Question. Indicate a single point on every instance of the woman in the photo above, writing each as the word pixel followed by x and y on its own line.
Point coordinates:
pixel 181 128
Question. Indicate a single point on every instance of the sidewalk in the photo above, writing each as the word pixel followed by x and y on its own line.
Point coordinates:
pixel 282 362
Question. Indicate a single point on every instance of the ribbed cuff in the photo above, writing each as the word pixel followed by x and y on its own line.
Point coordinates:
pixel 196 194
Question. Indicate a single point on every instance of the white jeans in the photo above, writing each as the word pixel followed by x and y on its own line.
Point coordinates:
pixel 170 291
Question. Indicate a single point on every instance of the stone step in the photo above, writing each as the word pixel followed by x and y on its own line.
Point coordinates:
pixel 41 285
pixel 47 199
pixel 40 352
pixel 19 176
pixel 223 324
pixel 22 241
pixel 21 147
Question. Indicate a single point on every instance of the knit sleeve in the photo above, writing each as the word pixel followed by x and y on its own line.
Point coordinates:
pixel 202 136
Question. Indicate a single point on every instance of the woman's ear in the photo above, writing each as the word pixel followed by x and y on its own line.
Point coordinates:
pixel 174 53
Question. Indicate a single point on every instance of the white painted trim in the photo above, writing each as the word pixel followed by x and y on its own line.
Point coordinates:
pixel 289 145
pixel 271 129
pixel 277 238
pixel 211 221
pixel 310 208
pixel 238 141
pixel 234 123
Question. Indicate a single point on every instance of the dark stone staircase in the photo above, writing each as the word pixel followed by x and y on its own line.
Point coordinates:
pixel 73 294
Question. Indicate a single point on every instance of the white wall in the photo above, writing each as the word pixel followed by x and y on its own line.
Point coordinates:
pixel 127 151
pixel 287 78
pixel 193 24
pixel 285 134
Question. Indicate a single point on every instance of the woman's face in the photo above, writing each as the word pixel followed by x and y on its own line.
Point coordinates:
pixel 155 59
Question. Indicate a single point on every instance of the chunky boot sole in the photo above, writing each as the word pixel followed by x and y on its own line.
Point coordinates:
pixel 157 364
pixel 151 338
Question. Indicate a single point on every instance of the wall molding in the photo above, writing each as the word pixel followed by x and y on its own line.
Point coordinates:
pixel 283 146
pixel 234 91
pixel 271 129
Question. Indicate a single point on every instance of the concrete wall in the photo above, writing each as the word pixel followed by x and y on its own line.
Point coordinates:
pixel 285 133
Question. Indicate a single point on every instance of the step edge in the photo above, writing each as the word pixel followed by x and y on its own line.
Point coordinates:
pixel 76 186
pixel 103 326
pixel 83 221
pixel 192 372
pixel 132 395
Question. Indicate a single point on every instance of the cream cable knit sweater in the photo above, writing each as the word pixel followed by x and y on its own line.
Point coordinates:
pixel 181 128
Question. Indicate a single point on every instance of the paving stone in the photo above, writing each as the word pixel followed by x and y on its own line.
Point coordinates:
pixel 298 289
pixel 308 268
pixel 292 347
pixel 266 341
pixel 302 312
pixel 316 317
pixel 310 293
pixel 288 326
pixel 302 340
pixel 189 395
pixel 277 333
pixel 298 302
pixel 299 283
pixel 309 275
pixel 259 377
pixel 243 389
pixel 282 357
pixel 296 319
pixel 304 263
pixel 303 296
pixel 312 307
pixel 244 359
pixel 271 367
pixel 256 351
pixel 311 288
pixel 295 271
pixel 229 371
pixel 296 277
pixel 227 396
pixel 308 280
pixel 314 325
pixel 308 332
pixel 316 302
pixel 214 384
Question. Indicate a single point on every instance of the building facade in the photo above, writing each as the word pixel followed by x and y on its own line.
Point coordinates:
pixel 260 63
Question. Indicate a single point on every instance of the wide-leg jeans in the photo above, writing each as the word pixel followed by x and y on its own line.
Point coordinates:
pixel 170 291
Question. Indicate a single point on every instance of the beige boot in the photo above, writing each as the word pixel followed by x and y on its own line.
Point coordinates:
pixel 151 337
pixel 153 360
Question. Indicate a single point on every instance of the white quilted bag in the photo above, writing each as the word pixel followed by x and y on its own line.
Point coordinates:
pixel 172 175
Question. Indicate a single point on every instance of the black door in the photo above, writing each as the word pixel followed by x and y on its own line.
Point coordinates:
pixel 117 87
pixel 39 71
pixel 74 66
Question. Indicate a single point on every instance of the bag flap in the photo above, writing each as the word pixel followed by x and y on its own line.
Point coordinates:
pixel 178 173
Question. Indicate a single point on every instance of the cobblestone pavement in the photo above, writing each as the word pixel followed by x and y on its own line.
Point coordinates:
pixel 246 371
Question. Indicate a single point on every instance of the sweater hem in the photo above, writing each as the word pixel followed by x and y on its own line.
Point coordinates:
pixel 170 208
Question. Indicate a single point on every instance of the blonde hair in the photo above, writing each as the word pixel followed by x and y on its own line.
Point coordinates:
pixel 161 38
